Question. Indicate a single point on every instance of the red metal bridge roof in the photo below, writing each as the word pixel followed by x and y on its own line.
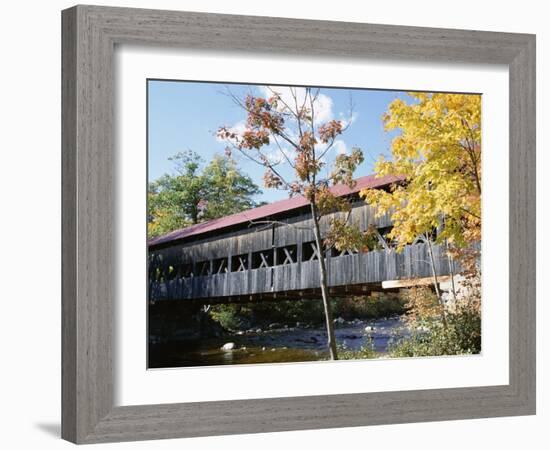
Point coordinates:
pixel 278 207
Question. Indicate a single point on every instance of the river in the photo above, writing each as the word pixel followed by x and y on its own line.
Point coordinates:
pixel 277 344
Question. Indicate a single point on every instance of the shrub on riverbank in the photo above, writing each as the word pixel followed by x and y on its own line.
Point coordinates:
pixel 289 312
pixel 244 316
pixel 434 330
pixel 366 352
pixel 372 307
pixel 451 330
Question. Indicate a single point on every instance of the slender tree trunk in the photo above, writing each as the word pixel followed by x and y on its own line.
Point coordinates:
pixel 436 282
pixel 451 270
pixel 324 286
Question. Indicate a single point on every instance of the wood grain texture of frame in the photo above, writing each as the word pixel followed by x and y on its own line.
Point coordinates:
pixel 90 34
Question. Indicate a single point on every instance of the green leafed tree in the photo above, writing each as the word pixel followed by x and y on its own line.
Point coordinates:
pixel 196 193
pixel 228 189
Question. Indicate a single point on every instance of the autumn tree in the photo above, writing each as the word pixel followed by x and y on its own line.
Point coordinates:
pixel 197 193
pixel 282 132
pixel 437 151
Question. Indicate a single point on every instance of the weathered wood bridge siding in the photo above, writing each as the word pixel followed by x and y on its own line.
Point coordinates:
pixel 259 259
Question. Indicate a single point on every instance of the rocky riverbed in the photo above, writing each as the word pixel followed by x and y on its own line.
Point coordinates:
pixel 277 343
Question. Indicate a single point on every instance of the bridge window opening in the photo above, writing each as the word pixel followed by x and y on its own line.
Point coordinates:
pixel 262 259
pixel 380 240
pixel 220 266
pixel 155 268
pixel 287 255
pixel 431 235
pixel 180 270
pixel 239 263
pixel 172 272
pixel 204 268
pixel 154 273
pixel 384 231
pixel 186 270
pixel 334 252
pixel 161 275
pixel 309 251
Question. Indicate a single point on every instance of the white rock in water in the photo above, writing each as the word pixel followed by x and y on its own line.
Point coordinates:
pixel 228 346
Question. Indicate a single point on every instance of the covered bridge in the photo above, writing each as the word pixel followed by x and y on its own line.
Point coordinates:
pixel 268 253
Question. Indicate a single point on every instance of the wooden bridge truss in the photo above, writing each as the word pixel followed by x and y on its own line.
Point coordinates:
pixel 255 262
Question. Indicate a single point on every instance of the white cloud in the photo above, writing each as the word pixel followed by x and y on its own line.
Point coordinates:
pixel 276 155
pixel 340 147
pixel 323 112
pixel 347 119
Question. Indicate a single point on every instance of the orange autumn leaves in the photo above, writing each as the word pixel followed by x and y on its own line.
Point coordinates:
pixel 289 128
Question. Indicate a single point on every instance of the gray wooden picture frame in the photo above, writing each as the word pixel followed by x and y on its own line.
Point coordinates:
pixel 90 34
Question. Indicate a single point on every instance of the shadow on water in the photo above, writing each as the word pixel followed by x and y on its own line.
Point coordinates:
pixel 294 344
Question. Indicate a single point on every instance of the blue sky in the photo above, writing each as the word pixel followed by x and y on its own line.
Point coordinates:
pixel 185 115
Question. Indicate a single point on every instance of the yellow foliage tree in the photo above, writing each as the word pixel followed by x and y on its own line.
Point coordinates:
pixel 438 153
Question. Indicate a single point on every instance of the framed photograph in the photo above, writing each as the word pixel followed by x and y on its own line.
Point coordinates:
pixel 268 230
